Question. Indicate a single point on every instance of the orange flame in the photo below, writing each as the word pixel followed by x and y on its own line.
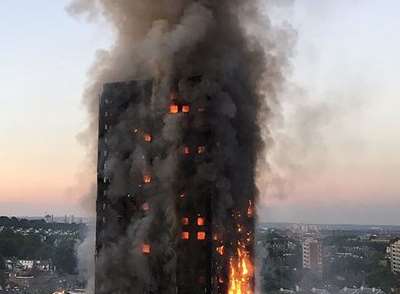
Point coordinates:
pixel 220 250
pixel 173 108
pixel 147 179
pixel 185 108
pixel 241 273
pixel 146 248
pixel 250 210
pixel 147 137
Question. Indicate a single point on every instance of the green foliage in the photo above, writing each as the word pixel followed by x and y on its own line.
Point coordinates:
pixel 27 239
pixel 16 245
pixel 382 277
pixel 64 257
pixel 2 271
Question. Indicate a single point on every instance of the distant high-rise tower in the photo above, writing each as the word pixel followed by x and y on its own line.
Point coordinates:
pixel 395 257
pixel 312 255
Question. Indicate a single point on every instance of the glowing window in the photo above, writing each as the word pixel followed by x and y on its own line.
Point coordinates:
pixel 201 235
pixel 146 248
pixel 220 250
pixel 147 137
pixel 186 150
pixel 173 108
pixel 201 149
pixel 200 221
pixel 185 108
pixel 147 179
pixel 185 221
pixel 185 235
pixel 145 206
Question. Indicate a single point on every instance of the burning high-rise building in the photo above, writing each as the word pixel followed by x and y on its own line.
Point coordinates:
pixel 179 139
pixel 210 249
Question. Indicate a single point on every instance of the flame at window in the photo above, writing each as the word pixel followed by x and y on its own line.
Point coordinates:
pixel 147 137
pixel 201 149
pixel 146 248
pixel 185 108
pixel 173 108
pixel 200 221
pixel 201 235
pixel 220 250
pixel 147 179
pixel 185 235
pixel 185 221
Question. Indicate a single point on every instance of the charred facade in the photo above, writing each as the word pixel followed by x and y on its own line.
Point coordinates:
pixel 175 193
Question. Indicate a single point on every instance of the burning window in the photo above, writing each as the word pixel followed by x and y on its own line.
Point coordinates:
pixel 185 221
pixel 145 206
pixel 185 108
pixel 220 250
pixel 250 209
pixel 200 221
pixel 146 248
pixel 185 235
pixel 173 108
pixel 147 137
pixel 201 149
pixel 201 235
pixel 147 179
pixel 186 150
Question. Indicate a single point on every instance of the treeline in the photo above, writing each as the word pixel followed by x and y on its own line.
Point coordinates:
pixel 37 224
pixel 29 244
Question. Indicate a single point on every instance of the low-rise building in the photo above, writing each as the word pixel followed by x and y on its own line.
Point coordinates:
pixel 361 290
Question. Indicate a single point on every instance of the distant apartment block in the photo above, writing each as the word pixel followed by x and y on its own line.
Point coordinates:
pixel 395 257
pixel 312 255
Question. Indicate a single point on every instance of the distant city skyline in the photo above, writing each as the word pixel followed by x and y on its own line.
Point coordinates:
pixel 338 148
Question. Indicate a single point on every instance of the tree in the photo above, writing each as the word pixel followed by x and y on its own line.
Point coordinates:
pixel 65 258
pixel 2 271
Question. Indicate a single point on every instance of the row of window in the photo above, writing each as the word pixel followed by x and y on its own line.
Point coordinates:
pixel 199 235
pixel 200 221
pixel 146 248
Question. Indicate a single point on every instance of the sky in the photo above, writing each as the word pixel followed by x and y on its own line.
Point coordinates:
pixel 336 140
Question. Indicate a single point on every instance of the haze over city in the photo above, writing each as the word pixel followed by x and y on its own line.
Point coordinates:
pixel 339 130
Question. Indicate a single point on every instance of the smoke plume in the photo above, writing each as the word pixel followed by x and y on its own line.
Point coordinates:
pixel 241 59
